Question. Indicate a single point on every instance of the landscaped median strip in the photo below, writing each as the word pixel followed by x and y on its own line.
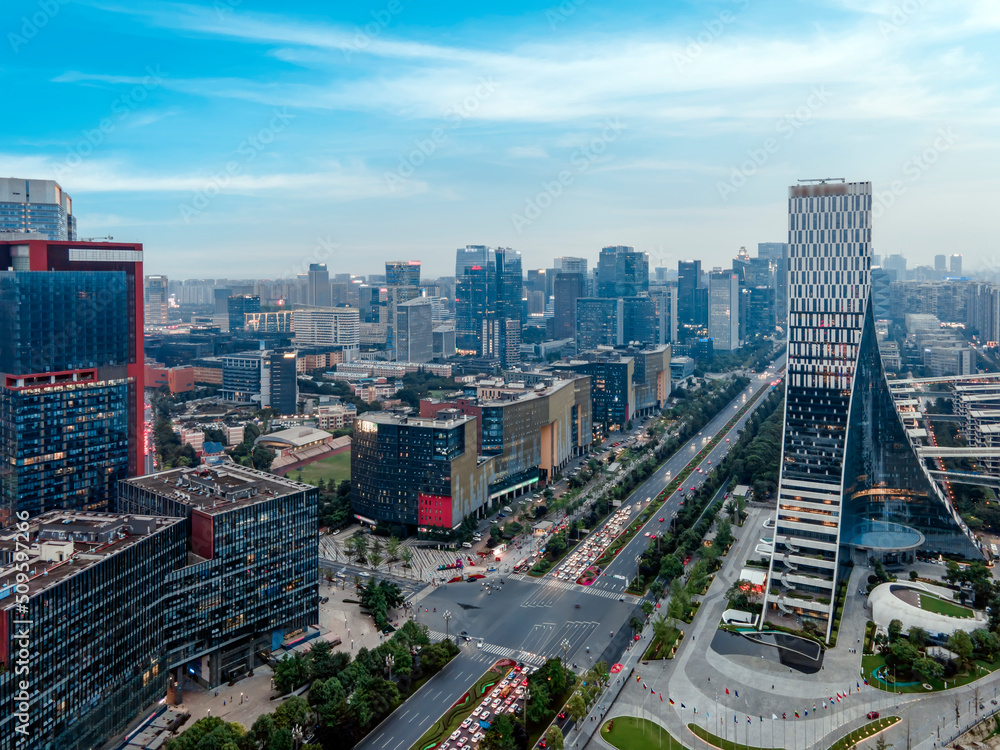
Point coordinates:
pixel 633 733
pixel 866 732
pixel 464 706
pixel 654 507
pixel 725 744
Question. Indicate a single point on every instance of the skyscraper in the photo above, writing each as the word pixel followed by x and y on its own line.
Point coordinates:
pixel 402 273
pixel 777 252
pixel 572 265
pixel 320 292
pixel 724 310
pixel 940 262
pixel 510 290
pixel 569 287
pixel 622 272
pixel 688 283
pixel 639 321
pixel 36 206
pixel 600 321
pixel 955 262
pixel 414 331
pixel 851 486
pixel 238 307
pixel 155 302
pixel 71 355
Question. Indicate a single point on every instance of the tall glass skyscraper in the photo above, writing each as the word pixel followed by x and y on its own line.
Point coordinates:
pixel 622 271
pixel 851 486
pixel 71 373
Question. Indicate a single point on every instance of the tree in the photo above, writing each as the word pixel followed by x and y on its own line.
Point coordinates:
pixel 538 705
pixel 293 711
pixel 961 644
pixel 406 555
pixel 392 548
pixel 895 628
pixel 290 672
pixel 647 607
pixel 500 735
pixel 881 744
pixel 724 534
pixel 671 568
pixel 375 559
pixel 929 669
pixel 554 738
pixel 917 636
pixel 576 708
pixel 207 734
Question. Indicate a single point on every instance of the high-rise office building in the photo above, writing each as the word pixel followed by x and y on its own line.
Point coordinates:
pixel 571 265
pixel 955 265
pixel 600 321
pixel 851 486
pixel 328 326
pixel 279 381
pixel 760 311
pixel 71 357
pixel 622 271
pixel 510 308
pixel 475 296
pixel 639 321
pixel 688 283
pixel 238 307
pixel 156 301
pixel 414 331
pixel 940 262
pixel 569 287
pixel 320 292
pixel 724 310
pixel 36 207
pixel 777 253
pixel 402 273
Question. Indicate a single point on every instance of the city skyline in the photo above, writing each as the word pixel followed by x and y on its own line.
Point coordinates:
pixel 232 136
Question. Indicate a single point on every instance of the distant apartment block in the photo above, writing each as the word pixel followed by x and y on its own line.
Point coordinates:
pixel 156 301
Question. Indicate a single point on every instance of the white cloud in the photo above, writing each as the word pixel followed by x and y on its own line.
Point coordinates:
pixel 527 152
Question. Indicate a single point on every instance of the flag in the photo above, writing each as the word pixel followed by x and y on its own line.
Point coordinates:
pixel 824 704
pixel 838 697
pixel 797 715
pixel 696 709
pixel 661 699
pixel 857 685
pixel 727 691
pixel 774 717
pixel 865 681
pixel 652 692
pixel 735 720
pixel 807 712
pixel 737 693
pixel 748 720
pixel 761 719
pixel 671 700
pixel 638 679
pixel 683 706
pixel 644 686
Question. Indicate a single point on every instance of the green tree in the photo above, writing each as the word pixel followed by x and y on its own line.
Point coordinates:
pixel 671 568
pixel 293 711
pixel 895 629
pixel 917 636
pixel 290 672
pixel 576 709
pixel 647 607
pixel 500 735
pixel 928 669
pixel 554 738
pixel 538 705
pixel 961 644
pixel 392 548
pixel 724 534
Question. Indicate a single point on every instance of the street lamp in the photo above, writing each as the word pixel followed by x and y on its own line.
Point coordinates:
pixel 564 645
pixel 389 661
pixel 447 619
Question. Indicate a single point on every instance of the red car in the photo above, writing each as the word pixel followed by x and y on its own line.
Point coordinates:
pixel 562 714
pixel 661 520
pixel 872 714
pixel 542 743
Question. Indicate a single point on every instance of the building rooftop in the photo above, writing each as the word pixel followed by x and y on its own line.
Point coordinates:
pixel 295 437
pixel 217 489
pixel 62 543
pixel 444 418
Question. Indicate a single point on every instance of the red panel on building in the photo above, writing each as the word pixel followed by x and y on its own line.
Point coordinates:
pixel 202 534
pixel 434 510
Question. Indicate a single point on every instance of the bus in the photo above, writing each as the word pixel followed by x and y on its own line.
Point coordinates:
pixel 995 551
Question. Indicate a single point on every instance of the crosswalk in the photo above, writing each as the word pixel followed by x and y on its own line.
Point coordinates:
pixel 567 586
pixel 501 651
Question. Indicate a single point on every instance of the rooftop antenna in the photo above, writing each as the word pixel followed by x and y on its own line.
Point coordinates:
pixel 96 239
pixel 824 180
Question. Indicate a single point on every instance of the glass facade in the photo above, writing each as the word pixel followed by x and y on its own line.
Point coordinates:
pixel 97 642
pixel 64 320
pixel 622 271
pixel 850 483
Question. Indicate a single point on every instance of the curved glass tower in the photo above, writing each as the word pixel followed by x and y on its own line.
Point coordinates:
pixel 851 486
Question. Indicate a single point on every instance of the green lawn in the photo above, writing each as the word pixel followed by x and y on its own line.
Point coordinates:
pixel 932 603
pixel 632 733
pixel 333 468
pixel 871 662
pixel 723 743
pixel 866 732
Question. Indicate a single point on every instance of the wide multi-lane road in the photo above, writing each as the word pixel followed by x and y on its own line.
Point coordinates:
pixel 534 619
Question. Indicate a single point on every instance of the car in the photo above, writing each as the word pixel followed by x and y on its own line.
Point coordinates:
pixel 454 735
pixel 479 645
pixel 543 743
pixel 661 520
pixel 502 515
pixel 562 714
pixel 485 715
pixel 467 722
pixel 692 489
pixel 477 711
pixel 872 715
pixel 647 534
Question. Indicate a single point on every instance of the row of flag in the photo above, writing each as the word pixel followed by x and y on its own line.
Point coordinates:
pixel 839 698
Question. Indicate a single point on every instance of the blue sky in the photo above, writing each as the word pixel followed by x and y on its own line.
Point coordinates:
pixel 245 138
